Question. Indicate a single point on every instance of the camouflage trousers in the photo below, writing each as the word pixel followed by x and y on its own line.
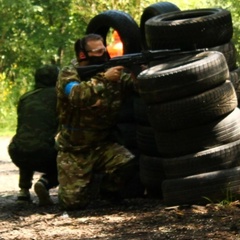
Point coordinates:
pixel 76 171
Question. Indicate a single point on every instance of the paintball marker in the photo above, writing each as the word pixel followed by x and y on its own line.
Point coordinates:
pixel 133 59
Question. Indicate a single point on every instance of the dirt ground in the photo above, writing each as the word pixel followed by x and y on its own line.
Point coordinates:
pixel 134 219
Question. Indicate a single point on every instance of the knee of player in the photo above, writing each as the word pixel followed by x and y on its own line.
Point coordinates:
pixel 71 200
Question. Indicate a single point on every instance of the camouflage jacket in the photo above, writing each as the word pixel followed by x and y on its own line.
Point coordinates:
pixel 89 112
pixel 37 122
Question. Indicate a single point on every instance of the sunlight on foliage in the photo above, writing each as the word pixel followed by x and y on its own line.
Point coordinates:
pixel 36 32
pixel 7 106
pixel 10 94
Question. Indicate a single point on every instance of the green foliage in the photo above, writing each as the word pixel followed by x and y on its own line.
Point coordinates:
pixel 35 32
pixel 234 7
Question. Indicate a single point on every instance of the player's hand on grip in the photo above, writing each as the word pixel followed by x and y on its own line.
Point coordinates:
pixel 114 73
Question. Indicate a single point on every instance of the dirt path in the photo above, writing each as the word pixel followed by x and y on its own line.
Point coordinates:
pixel 8 171
pixel 136 219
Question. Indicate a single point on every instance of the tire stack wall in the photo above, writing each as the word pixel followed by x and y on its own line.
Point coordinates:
pixel 192 106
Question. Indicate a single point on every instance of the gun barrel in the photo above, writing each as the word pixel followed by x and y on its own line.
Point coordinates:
pixel 129 60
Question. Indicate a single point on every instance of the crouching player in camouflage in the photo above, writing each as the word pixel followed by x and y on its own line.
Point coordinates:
pixel 32 148
pixel 89 160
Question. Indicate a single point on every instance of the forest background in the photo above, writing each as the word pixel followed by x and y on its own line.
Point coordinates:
pixel 35 32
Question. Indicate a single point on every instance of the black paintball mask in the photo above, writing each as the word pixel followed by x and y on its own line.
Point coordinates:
pixel 93 60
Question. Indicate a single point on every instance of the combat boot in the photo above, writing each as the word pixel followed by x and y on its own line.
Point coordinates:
pixel 42 192
pixel 24 195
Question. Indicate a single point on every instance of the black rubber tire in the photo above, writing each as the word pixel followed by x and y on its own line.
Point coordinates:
pixel 151 175
pixel 202 188
pixel 126 135
pixel 230 53
pixel 146 141
pixel 189 29
pixel 182 77
pixel 235 79
pixel 194 111
pixel 152 11
pixel 192 140
pixel 213 159
pixel 125 25
pixel 140 111
pixel 126 112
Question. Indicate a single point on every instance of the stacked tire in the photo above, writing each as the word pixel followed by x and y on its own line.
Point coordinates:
pixel 151 169
pixel 192 106
pixel 155 9
pixel 199 28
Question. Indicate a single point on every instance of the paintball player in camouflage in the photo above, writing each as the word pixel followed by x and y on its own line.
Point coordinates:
pixel 33 146
pixel 89 160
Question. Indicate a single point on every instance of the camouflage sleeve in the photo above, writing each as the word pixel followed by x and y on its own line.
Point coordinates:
pixel 86 93
pixel 127 80
pixel 66 75
pixel 127 83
